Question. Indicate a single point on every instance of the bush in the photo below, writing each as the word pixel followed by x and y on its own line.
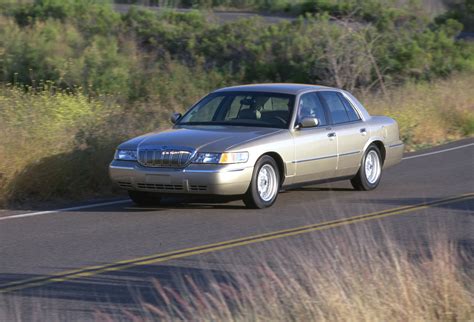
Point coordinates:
pixel 462 11
pixel 102 52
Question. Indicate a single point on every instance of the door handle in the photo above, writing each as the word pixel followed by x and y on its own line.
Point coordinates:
pixel 363 131
pixel 332 135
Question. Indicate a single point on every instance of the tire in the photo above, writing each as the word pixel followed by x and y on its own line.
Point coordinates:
pixel 368 177
pixel 143 198
pixel 263 196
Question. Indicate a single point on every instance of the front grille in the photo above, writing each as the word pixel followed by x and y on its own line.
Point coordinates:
pixel 165 157
pixel 160 187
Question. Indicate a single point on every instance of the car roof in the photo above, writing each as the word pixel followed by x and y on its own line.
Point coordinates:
pixel 284 88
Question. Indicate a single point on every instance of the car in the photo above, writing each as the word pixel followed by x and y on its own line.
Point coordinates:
pixel 250 142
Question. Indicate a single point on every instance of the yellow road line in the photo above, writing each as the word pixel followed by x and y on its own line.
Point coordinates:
pixel 207 248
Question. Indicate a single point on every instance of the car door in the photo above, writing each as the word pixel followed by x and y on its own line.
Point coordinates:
pixel 349 129
pixel 315 147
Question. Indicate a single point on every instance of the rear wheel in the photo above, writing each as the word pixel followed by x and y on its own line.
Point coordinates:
pixel 370 172
pixel 143 198
pixel 263 189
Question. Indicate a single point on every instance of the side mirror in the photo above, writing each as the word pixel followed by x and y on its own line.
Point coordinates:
pixel 309 122
pixel 175 117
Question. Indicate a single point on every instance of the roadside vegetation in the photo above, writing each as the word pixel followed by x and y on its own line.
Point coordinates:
pixel 359 280
pixel 77 78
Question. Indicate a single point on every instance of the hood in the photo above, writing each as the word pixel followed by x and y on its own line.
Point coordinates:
pixel 201 138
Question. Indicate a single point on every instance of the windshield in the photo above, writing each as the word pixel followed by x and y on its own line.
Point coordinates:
pixel 242 109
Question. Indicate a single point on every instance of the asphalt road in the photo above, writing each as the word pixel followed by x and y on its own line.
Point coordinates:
pixel 216 15
pixel 223 17
pixel 72 262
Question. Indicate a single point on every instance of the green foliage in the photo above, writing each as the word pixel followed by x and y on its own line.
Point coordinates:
pixel 86 44
pixel 58 52
pixel 91 16
pixel 462 11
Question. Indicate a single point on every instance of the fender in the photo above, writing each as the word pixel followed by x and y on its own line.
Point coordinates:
pixel 368 143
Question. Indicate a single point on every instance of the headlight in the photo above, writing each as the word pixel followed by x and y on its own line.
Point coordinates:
pixel 222 158
pixel 126 155
pixel 234 157
pixel 207 158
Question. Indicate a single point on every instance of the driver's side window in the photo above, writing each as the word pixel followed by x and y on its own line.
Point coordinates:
pixel 311 106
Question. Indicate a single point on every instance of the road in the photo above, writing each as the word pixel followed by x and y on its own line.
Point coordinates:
pixel 217 15
pixel 92 256
pixel 223 17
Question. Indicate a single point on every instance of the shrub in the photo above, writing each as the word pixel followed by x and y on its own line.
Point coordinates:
pixel 103 52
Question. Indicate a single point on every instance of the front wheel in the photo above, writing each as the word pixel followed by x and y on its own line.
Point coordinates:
pixel 370 172
pixel 143 198
pixel 263 189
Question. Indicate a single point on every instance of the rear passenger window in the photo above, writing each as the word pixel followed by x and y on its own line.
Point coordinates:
pixel 353 116
pixel 276 104
pixel 336 107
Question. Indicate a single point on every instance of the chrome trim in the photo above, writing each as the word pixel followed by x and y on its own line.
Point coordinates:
pixel 314 159
pixel 121 167
pixel 165 156
pixel 326 157
pixel 235 170
pixel 215 171
pixel 201 171
pixel 348 153
pixel 395 145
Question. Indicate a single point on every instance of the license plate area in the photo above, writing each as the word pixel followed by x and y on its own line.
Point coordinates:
pixel 158 178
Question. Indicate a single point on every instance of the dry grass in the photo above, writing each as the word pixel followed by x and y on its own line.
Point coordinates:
pixel 343 279
pixel 347 274
pixel 429 113
pixel 40 126
pixel 56 144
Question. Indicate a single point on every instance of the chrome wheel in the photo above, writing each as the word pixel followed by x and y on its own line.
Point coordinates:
pixel 267 185
pixel 372 167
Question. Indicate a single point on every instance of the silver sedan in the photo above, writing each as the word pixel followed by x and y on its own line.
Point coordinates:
pixel 250 141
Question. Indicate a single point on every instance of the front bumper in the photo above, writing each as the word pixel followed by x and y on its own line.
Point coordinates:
pixel 233 179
